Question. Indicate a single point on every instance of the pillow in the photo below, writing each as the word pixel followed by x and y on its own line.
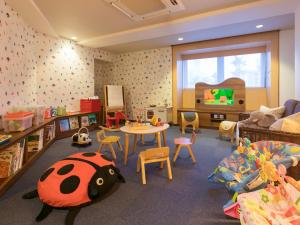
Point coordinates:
pixel 291 123
pixel 277 112
pixel 277 125
pixel 288 124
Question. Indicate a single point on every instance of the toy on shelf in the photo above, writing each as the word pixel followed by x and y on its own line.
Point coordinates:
pixel 4 138
pixel 48 114
pixel 82 138
pixel 61 111
pixel 114 106
pixel 53 111
pixel 156 121
pixel 75 182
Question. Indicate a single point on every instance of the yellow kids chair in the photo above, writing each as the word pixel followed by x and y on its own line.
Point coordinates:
pixel 154 155
pixel 108 140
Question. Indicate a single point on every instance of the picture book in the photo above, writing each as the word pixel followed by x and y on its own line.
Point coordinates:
pixel 74 124
pixel 35 141
pixel 92 119
pixel 64 125
pixel 85 121
pixel 6 161
pixel 11 159
pixel 4 138
pixel 49 132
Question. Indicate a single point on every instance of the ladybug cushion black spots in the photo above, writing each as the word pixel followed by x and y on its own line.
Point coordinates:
pixel 75 181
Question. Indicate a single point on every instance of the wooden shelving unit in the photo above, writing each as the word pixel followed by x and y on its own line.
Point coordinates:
pixel 61 135
pixel 30 157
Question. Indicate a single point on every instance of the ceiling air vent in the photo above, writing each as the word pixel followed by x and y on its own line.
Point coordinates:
pixel 131 8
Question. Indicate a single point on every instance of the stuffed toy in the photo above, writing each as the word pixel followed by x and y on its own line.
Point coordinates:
pixel 74 182
pixel 258 119
pixel 82 137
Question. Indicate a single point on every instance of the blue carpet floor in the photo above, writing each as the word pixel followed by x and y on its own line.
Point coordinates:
pixel 187 200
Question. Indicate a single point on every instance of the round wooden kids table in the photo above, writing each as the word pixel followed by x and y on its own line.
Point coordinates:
pixel 150 130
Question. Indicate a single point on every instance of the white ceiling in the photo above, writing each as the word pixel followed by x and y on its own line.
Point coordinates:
pixel 97 24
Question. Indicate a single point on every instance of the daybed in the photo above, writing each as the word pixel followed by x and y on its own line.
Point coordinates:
pixel 258 133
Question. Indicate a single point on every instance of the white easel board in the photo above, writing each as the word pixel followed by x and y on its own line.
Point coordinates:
pixel 115 96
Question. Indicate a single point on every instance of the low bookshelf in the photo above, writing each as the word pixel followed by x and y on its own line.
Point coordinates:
pixel 67 125
pixel 34 141
pixel 19 140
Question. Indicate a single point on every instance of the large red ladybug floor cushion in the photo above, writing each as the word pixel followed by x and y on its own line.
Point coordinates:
pixel 75 181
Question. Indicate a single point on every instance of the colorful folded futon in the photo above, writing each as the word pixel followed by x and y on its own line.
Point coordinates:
pixel 240 173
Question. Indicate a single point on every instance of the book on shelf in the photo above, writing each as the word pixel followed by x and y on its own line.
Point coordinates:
pixel 85 121
pixel 11 159
pixel 49 132
pixel 92 119
pixel 35 141
pixel 74 124
pixel 64 125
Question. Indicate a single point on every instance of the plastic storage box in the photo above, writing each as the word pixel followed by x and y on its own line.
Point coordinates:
pixel 37 110
pixel 20 121
pixel 90 105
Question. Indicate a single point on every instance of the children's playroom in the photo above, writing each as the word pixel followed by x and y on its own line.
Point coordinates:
pixel 157 112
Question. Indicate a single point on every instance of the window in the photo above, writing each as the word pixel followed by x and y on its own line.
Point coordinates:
pixel 249 67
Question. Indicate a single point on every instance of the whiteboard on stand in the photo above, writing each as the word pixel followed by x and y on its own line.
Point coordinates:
pixel 115 96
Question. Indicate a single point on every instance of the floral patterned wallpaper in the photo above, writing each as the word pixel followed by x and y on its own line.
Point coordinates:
pixel 103 72
pixel 145 75
pixel 17 60
pixel 65 72
pixel 38 69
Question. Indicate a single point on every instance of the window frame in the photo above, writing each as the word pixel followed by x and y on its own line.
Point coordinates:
pixel 221 62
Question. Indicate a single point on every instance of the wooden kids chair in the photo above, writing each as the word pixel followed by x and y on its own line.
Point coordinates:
pixel 108 140
pixel 189 118
pixel 154 155
pixel 187 142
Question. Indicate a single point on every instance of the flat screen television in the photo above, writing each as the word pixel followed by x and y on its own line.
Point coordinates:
pixel 219 96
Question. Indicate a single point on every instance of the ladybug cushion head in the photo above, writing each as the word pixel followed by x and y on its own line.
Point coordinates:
pixel 103 180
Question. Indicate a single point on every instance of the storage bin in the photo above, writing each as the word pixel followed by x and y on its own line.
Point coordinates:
pixel 90 105
pixel 37 110
pixel 21 121
pixel 38 114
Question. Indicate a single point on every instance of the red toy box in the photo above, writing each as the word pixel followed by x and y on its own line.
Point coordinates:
pixel 90 105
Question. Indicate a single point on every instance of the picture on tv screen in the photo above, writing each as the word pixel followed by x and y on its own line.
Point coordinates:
pixel 220 96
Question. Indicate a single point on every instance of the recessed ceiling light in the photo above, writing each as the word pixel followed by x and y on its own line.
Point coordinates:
pixel 180 39
pixel 74 38
pixel 259 26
